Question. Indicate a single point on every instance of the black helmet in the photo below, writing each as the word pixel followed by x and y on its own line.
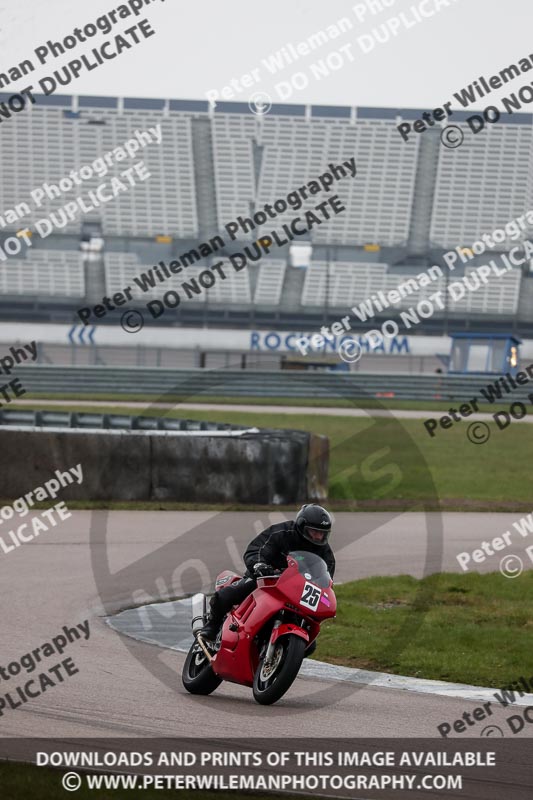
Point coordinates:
pixel 314 524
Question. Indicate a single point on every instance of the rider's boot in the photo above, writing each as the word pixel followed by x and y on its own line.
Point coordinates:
pixel 214 620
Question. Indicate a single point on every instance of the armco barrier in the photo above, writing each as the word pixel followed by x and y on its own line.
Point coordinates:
pixel 252 383
pixel 69 419
pixel 268 467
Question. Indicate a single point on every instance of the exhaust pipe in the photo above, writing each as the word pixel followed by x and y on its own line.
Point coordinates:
pixel 199 612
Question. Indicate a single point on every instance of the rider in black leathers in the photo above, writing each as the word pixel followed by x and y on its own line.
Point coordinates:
pixel 310 531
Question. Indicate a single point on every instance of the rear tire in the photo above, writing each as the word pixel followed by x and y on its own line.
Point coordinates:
pixel 270 686
pixel 197 675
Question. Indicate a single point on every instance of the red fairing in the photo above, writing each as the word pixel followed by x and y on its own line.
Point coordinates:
pixel 283 630
pixel 307 602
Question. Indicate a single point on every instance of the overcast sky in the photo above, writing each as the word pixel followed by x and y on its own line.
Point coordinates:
pixel 202 45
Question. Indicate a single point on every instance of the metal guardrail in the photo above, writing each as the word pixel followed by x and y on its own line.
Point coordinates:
pixel 194 383
pixel 64 419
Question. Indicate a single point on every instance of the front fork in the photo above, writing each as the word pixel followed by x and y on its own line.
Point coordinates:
pixel 271 644
pixel 282 628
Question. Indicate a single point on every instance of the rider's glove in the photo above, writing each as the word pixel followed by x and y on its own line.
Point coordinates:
pixel 260 569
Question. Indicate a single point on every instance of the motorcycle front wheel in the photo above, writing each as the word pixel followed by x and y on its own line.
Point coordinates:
pixel 197 675
pixel 271 681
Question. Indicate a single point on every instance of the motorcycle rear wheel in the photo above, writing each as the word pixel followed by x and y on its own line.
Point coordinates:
pixel 197 675
pixel 271 683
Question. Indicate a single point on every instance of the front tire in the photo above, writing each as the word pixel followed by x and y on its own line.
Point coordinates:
pixel 197 675
pixel 271 683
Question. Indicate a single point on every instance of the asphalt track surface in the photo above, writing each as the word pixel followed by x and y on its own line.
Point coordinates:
pixel 58 579
pixel 269 409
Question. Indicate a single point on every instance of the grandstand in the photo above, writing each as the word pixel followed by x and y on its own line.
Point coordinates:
pixel 408 204
pixel 47 273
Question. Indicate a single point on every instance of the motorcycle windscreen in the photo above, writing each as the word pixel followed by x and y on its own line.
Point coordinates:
pixel 312 567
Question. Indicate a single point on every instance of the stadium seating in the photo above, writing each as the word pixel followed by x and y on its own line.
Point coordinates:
pixel 163 204
pixel 378 202
pixel 122 268
pixel 44 273
pixel 256 160
pixel 245 161
pixel 234 178
pixel 498 296
pixel 482 185
pixel 270 279
pixel 293 151
pixel 345 284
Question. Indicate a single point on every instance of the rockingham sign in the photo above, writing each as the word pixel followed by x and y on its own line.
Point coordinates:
pixel 286 342
pixel 231 340
pixel 223 339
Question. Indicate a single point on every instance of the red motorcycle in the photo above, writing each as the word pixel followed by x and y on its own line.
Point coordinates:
pixel 263 640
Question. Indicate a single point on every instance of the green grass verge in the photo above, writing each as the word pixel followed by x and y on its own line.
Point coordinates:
pixel 466 476
pixel 28 782
pixel 432 406
pixel 476 629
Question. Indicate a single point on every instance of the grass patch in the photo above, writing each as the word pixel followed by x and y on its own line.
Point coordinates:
pixel 470 477
pixel 28 782
pixel 475 629
pixel 432 406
